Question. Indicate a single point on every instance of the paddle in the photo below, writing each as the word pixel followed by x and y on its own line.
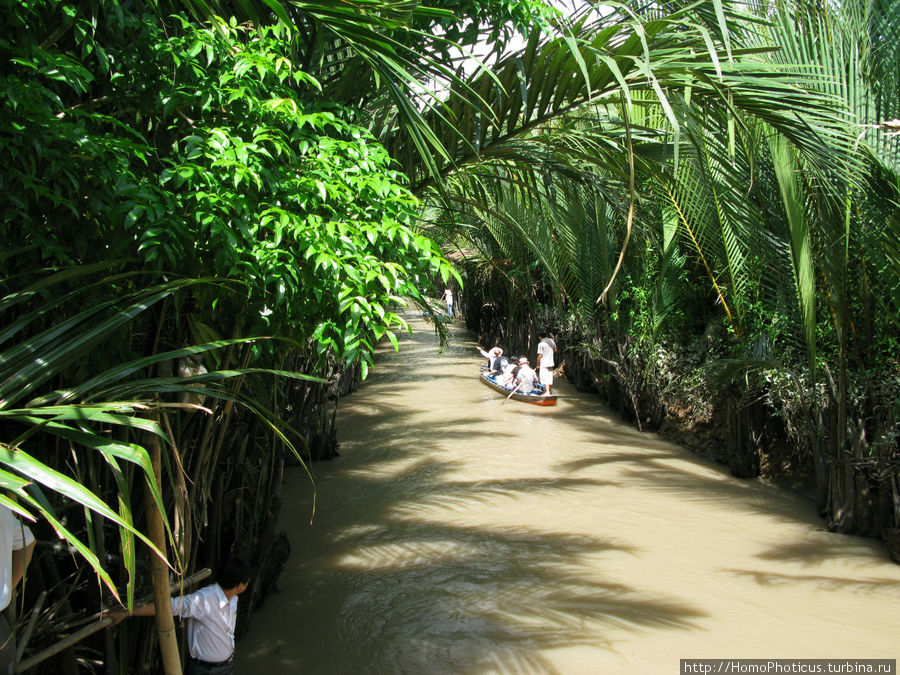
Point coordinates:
pixel 511 393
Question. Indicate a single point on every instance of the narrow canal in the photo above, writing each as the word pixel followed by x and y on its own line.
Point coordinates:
pixel 457 534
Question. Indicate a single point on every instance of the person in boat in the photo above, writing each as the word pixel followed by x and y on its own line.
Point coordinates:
pixel 491 355
pixel 546 360
pixel 508 375
pixel 525 378
pixel 499 365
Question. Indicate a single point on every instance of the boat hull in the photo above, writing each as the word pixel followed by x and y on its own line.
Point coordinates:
pixel 533 399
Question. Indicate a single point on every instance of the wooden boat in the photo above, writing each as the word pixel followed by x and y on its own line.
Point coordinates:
pixel 535 398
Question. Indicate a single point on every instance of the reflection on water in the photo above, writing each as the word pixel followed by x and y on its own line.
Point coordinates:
pixel 459 535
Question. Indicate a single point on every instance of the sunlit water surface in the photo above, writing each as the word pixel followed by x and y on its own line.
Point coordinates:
pixel 458 534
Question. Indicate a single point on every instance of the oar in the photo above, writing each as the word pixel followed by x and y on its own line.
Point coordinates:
pixel 511 393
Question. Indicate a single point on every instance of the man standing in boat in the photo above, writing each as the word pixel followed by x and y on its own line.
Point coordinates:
pixel 546 361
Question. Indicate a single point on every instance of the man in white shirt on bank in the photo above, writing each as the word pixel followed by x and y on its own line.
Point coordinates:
pixel 16 546
pixel 211 613
pixel 448 298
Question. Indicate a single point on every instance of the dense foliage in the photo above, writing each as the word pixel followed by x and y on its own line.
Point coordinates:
pixel 171 182
pixel 701 199
pixel 204 152
pixel 713 232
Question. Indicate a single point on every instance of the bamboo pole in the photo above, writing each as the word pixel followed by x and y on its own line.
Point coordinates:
pixel 92 628
pixel 159 571
pixel 64 644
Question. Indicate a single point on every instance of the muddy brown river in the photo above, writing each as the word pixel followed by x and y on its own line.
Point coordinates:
pixel 458 534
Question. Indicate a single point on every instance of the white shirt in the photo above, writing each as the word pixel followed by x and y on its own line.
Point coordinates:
pixel 492 354
pixel 507 376
pixel 211 626
pixel 546 353
pixel 13 536
pixel 527 377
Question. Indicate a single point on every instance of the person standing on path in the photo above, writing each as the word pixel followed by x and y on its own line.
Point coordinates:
pixel 211 613
pixel 448 298
pixel 546 360
pixel 16 546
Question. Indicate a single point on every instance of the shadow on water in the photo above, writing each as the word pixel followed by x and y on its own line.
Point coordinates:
pixel 410 566
pixel 828 546
pixel 821 582
pixel 411 594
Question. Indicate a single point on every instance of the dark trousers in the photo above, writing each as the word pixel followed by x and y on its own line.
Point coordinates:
pixel 195 667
